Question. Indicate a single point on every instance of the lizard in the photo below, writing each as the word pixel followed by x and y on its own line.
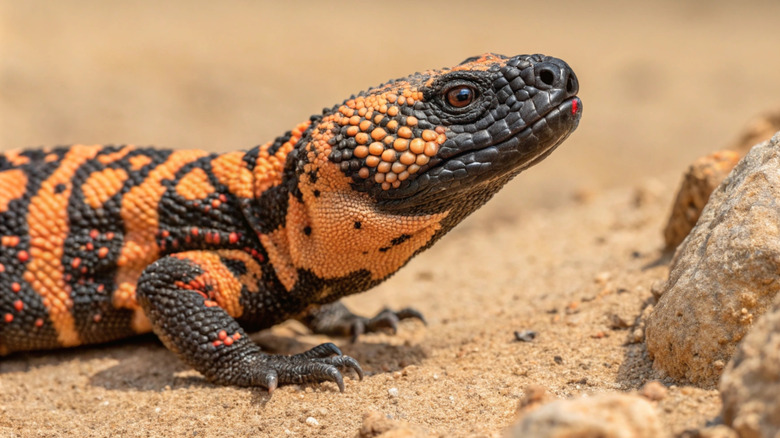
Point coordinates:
pixel 99 243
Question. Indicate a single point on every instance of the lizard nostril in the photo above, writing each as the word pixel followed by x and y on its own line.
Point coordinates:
pixel 547 76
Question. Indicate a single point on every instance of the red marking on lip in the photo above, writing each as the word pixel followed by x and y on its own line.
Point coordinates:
pixel 574 106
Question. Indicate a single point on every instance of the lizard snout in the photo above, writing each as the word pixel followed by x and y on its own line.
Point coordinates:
pixel 554 73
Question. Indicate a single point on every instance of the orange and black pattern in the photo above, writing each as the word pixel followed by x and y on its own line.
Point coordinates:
pixel 102 242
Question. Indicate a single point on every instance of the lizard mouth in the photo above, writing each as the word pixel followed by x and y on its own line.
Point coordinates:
pixel 471 169
pixel 571 108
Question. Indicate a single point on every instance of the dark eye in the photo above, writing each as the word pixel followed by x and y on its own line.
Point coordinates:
pixel 461 96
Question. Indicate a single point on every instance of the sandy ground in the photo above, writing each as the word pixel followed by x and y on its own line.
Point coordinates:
pixel 560 251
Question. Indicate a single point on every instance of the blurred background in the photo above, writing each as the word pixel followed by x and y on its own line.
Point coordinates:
pixel 662 82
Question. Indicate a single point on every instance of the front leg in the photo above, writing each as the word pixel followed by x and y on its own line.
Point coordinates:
pixel 336 319
pixel 192 298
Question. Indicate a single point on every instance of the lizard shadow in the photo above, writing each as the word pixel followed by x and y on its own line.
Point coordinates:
pixel 19 361
pixel 370 350
pixel 142 363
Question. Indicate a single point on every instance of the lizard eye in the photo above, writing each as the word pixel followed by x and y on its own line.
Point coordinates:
pixel 460 96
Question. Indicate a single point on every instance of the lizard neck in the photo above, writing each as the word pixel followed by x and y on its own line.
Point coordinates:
pixel 316 228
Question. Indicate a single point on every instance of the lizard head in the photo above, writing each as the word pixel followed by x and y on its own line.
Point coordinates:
pixel 378 178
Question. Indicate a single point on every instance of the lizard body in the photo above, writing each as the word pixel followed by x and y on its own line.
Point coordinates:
pixel 103 242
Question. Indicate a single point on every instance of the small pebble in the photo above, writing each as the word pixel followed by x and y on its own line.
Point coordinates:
pixel 602 278
pixel 534 395
pixel 653 390
pixel 657 289
pixel 311 421
pixel 393 392
pixel 525 335
pixel 618 322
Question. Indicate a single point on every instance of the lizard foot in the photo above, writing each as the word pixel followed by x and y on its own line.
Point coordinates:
pixel 385 320
pixel 319 364
pixel 336 320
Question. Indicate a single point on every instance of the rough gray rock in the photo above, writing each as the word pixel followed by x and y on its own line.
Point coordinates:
pixel 724 274
pixel 750 387
pixel 602 416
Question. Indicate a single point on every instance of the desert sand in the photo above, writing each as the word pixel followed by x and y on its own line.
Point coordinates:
pixel 566 250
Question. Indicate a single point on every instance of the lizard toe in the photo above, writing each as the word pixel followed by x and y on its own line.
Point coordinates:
pixel 323 350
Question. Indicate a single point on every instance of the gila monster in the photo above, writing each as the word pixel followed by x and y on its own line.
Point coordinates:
pixel 99 243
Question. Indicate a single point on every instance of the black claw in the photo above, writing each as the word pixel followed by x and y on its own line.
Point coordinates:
pixel 339 380
pixel 350 363
pixel 358 328
pixel 388 319
pixel 321 351
pixel 409 312
pixel 317 372
pixel 384 319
